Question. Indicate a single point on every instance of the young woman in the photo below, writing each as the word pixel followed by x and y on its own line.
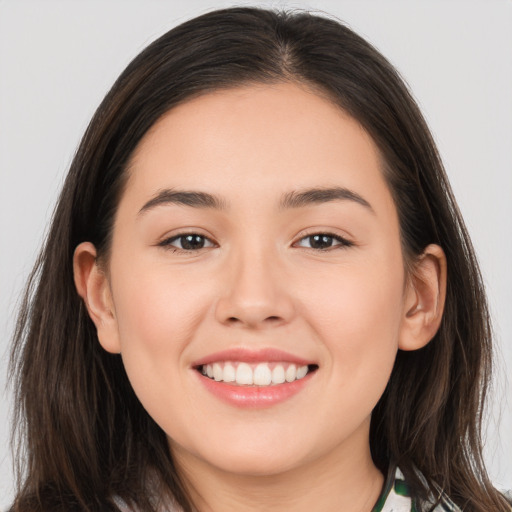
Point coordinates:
pixel 257 292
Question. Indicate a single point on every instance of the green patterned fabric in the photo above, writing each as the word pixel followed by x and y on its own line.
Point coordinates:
pixel 396 497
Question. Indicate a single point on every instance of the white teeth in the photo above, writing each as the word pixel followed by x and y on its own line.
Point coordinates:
pixel 244 374
pixel 218 374
pixel 291 373
pixel 261 374
pixel 229 373
pixel 278 375
pixel 301 372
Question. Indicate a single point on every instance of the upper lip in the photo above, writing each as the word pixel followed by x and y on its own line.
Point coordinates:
pixel 252 356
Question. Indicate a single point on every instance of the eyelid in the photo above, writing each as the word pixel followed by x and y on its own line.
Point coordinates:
pixel 166 241
pixel 344 242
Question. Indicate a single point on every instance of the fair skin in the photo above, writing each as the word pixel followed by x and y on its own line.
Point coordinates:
pixel 257 280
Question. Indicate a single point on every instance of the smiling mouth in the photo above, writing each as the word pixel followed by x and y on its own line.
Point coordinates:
pixel 255 374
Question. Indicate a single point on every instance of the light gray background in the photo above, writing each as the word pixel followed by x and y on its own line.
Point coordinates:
pixel 58 58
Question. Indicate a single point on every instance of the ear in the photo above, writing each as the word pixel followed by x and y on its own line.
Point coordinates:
pixel 424 299
pixel 92 285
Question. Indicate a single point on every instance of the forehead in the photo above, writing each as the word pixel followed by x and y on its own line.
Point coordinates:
pixel 260 139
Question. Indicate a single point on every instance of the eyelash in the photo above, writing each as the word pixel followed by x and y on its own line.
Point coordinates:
pixel 342 242
pixel 166 244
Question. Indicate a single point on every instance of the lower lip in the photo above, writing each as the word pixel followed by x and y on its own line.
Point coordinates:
pixel 254 396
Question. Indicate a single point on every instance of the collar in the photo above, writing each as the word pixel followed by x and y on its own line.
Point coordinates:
pixel 396 496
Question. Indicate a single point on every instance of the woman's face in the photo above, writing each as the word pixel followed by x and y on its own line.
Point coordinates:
pixel 256 240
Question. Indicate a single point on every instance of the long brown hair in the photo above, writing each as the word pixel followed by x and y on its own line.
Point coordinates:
pixel 84 436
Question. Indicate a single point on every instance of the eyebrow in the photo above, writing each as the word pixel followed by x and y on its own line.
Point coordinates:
pixel 299 199
pixel 294 199
pixel 194 199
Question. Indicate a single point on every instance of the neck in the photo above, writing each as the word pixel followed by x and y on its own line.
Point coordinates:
pixel 344 479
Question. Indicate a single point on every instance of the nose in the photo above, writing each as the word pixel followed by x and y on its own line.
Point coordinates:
pixel 256 293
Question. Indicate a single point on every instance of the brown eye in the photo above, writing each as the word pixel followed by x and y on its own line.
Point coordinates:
pixel 188 242
pixel 323 241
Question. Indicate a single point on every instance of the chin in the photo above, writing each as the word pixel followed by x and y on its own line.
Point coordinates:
pixel 243 458
pixel 260 465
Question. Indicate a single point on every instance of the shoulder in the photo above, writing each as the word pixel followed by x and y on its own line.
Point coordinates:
pixel 397 497
pixel 508 497
pixel 123 507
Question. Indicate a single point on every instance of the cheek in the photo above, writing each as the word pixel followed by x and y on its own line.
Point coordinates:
pixel 158 313
pixel 155 307
pixel 358 314
pixel 356 300
pixel 359 324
